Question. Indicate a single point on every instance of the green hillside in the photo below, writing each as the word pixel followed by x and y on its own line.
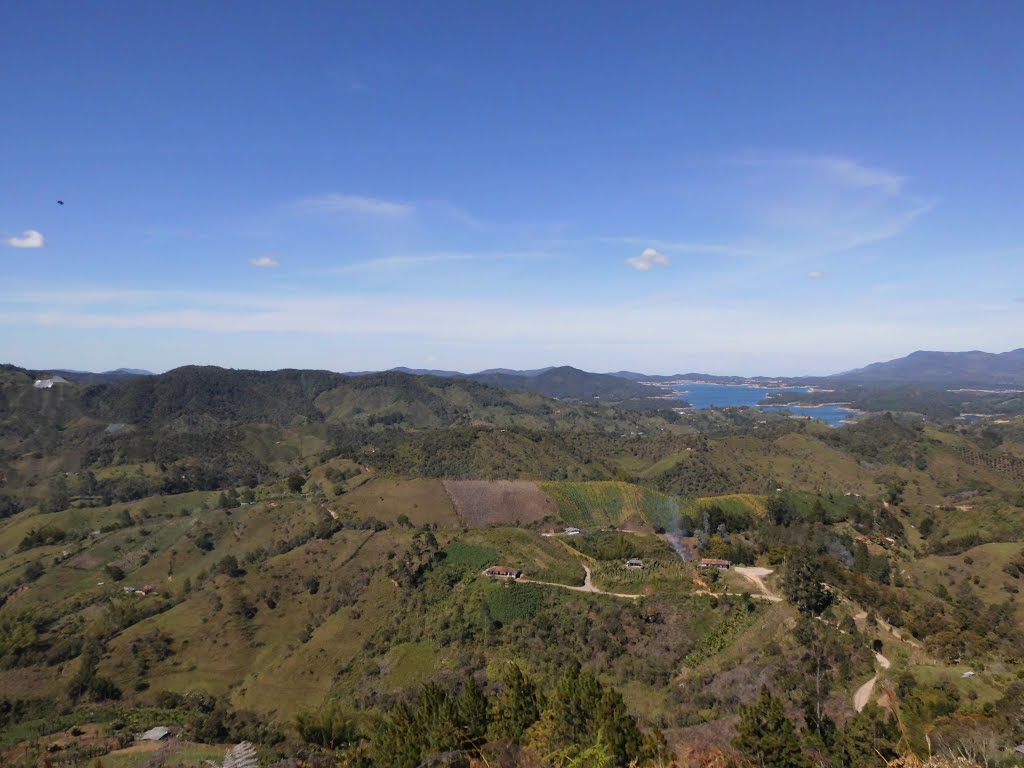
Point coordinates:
pixel 227 567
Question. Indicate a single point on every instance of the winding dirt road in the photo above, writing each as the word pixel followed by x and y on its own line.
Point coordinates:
pixel 588 586
pixel 863 694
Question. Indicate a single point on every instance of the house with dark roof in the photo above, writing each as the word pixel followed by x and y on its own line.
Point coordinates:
pixel 634 563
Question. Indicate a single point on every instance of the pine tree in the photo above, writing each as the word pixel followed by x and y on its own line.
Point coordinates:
pixel 435 720
pixel 617 730
pixel 515 708
pixel 803 584
pixel 471 712
pixel 766 736
pixel 393 740
pixel 868 738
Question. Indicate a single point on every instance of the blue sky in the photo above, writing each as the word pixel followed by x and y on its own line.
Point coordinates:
pixel 776 188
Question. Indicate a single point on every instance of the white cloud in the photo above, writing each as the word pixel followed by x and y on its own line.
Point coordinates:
pixel 815 275
pixel 647 260
pixel 265 261
pixel 356 205
pixel 30 238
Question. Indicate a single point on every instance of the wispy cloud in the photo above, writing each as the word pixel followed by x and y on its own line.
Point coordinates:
pixel 648 260
pixel 803 205
pixel 840 170
pixel 266 262
pixel 720 249
pixel 856 328
pixel 30 238
pixel 356 205
pixel 815 275
pixel 408 262
pixel 853 174
pixel 396 263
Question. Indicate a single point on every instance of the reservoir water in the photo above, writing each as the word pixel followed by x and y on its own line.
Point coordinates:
pixel 727 395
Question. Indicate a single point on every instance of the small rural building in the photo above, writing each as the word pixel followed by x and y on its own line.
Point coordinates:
pixel 714 562
pixel 48 383
pixel 572 531
pixel 156 734
pixel 634 563
pixel 503 572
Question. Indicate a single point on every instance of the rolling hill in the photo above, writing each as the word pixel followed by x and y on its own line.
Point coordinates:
pixel 944 369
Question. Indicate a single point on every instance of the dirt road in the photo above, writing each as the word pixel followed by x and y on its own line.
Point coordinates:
pixel 863 694
pixel 756 576
pixel 588 586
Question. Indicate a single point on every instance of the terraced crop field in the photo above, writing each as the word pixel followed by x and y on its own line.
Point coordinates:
pixel 611 503
pixel 738 503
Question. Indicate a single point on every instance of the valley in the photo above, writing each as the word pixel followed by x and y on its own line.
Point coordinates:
pixel 275 557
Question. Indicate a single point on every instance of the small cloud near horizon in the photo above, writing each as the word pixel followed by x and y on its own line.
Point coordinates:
pixel 268 262
pixel 648 260
pixel 30 238
pixel 815 275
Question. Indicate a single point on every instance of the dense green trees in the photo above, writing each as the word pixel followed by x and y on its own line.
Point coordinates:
pixel 803 584
pixel 10 505
pixel 332 726
pixel 578 717
pixel 766 737
pixel 515 707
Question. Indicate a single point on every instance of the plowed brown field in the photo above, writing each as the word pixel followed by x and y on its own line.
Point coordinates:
pixel 492 502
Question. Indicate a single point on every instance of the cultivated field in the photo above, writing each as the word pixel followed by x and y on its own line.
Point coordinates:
pixel 606 503
pixel 485 502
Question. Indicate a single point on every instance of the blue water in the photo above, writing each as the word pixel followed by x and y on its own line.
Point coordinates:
pixel 722 395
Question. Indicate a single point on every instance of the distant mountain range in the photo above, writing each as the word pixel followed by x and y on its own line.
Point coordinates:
pixel 922 368
pixel 945 369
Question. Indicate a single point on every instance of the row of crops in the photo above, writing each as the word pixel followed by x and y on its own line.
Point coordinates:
pixel 611 503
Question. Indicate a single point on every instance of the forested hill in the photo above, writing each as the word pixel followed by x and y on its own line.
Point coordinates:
pixel 210 394
pixel 947 369
pixel 566 382
pixel 198 398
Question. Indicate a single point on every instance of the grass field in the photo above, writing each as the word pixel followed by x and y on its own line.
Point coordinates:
pixel 981 567
pixel 423 502
pixel 183 754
